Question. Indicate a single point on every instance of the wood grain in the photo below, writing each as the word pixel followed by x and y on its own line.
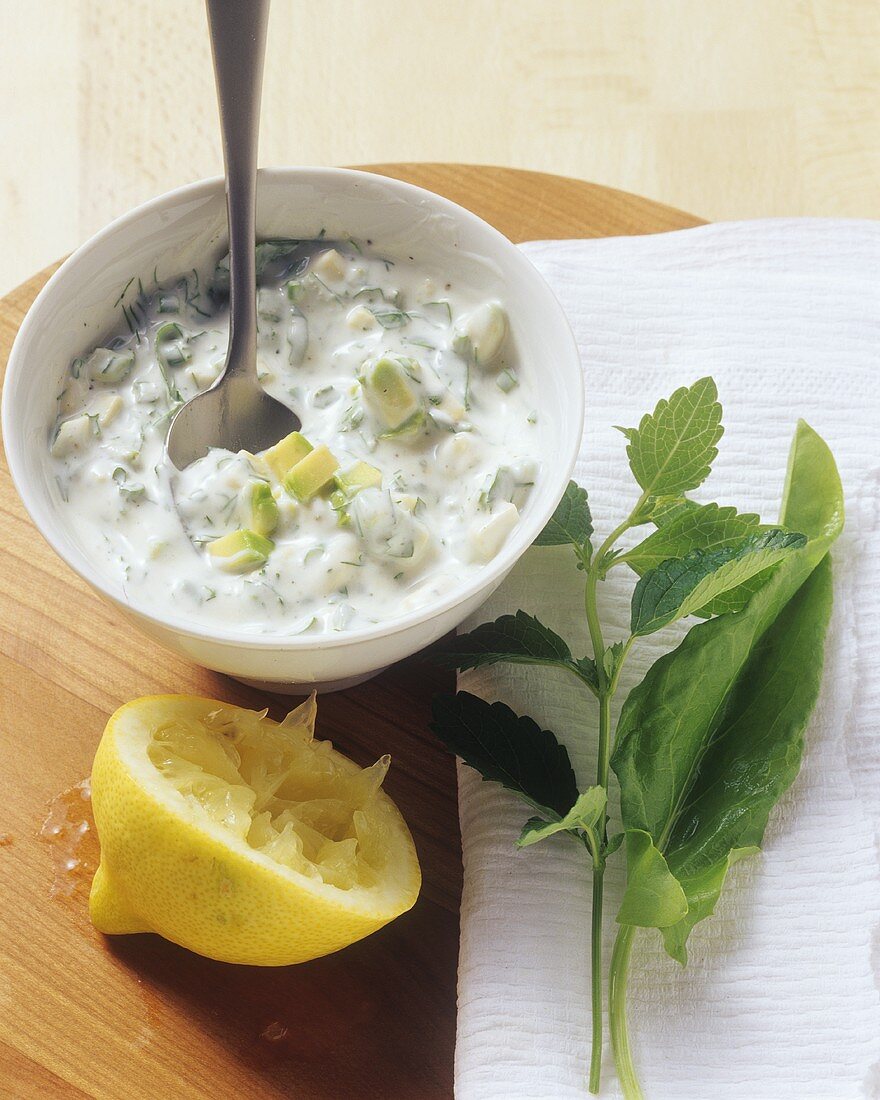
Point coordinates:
pixel 83 1016
pixel 733 110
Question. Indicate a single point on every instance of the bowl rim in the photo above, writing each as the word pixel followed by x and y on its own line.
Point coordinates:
pixel 49 524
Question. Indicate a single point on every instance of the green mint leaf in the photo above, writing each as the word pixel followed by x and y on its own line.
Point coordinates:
pixel 682 586
pixel 611 660
pixel 713 735
pixel 734 599
pixel 653 897
pixel 684 525
pixel 661 510
pixel 673 448
pixel 588 810
pixel 571 522
pixel 586 667
pixel 507 748
pixel 688 526
pixel 518 639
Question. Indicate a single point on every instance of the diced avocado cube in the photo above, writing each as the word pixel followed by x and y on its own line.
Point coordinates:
pixel 390 393
pixel 169 303
pixel 297 339
pixel 73 434
pixel 387 530
pixel 506 381
pixel 147 392
pixel 172 348
pixel 205 374
pixel 488 537
pixel 286 453
pixel 329 265
pixel 108 366
pixel 259 506
pixel 309 476
pixel 479 335
pixel 408 427
pixel 106 407
pixel 296 291
pixel 359 476
pixel 240 551
pixel 131 490
pixel 349 483
pixel 339 502
pixel 268 304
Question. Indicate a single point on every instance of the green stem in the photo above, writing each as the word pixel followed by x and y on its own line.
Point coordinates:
pixel 607 687
pixel 606 690
pixel 596 979
pixel 626 1072
pixel 592 613
pixel 598 870
pixel 604 757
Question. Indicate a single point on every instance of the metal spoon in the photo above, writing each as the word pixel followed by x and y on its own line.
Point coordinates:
pixel 236 413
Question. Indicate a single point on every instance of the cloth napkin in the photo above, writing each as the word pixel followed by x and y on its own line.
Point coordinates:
pixel 780 998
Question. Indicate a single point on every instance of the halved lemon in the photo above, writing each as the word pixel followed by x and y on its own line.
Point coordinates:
pixel 241 838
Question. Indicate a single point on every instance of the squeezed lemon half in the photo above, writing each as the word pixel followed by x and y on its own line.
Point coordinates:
pixel 241 838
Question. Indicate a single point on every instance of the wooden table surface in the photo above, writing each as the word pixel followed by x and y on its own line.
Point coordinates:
pixel 84 1016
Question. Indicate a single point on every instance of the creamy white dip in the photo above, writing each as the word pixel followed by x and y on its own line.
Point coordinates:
pixel 421 424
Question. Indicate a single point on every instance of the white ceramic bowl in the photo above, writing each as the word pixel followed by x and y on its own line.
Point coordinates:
pixel 177 231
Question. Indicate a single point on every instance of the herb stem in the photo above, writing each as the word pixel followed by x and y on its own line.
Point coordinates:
pixel 596 977
pixel 604 739
pixel 595 628
pixel 626 1072
pixel 598 887
pixel 607 687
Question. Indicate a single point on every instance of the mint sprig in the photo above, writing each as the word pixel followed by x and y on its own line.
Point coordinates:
pixel 713 735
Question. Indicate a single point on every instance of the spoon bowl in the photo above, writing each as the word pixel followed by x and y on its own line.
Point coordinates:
pixel 233 414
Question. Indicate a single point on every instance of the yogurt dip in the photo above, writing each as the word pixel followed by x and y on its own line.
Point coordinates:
pixel 417 451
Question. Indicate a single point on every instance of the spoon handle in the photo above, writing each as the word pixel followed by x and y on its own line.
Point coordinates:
pixel 238 44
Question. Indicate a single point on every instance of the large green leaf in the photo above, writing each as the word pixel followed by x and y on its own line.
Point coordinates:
pixel 654 897
pixel 518 639
pixel 701 890
pixel 673 448
pixel 683 526
pixel 690 526
pixel 508 748
pixel 713 734
pixel 682 586
pixel 571 522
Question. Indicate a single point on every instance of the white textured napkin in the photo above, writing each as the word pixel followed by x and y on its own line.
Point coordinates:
pixel 780 998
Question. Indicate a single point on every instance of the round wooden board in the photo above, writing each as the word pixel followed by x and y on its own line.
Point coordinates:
pixel 84 1016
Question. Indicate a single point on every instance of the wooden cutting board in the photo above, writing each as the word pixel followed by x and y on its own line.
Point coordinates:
pixel 84 1016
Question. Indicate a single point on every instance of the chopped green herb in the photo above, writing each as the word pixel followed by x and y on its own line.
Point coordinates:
pixel 124 291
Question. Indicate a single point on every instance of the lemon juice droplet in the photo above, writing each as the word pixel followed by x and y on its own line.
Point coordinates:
pixel 70 832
